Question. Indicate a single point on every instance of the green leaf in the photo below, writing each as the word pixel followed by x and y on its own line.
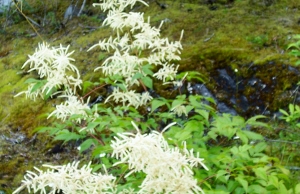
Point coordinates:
pixel 260 147
pixel 121 86
pixel 221 173
pixel 31 80
pixel 261 173
pixel 100 149
pixel 183 135
pixel 39 84
pixel 86 85
pixel 177 102
pixel 92 125
pixel 253 121
pixel 193 125
pixel 253 135
pixel 156 103
pixel 87 144
pixel 242 137
pixel 203 113
pixel 273 180
pixel 101 56
pixel 66 135
pixel 48 95
pixel 117 129
pixel 298 62
pixel 243 182
pixel 232 185
pixel 297 188
pixel 138 75
pixel 147 69
pixel 148 82
pixel 256 189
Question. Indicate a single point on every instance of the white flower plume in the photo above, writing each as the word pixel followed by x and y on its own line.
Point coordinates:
pixel 54 64
pixel 130 98
pixel 69 179
pixel 72 106
pixel 135 44
pixel 168 170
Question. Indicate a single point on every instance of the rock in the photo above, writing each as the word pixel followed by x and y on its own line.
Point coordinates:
pixel 4 5
pixel 71 12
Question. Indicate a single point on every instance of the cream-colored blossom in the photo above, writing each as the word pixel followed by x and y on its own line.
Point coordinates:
pixel 179 110
pixel 31 94
pixel 166 72
pixel 129 98
pixel 54 65
pixel 128 58
pixel 122 64
pixel 177 84
pixel 69 179
pixel 168 170
pixel 72 106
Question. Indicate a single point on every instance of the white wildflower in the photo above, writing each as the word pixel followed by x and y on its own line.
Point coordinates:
pixel 129 98
pixel 128 58
pixel 72 106
pixel 122 64
pixel 179 110
pixel 40 60
pixel 53 64
pixel 166 72
pixel 167 170
pixel 69 179
pixel 31 94
pixel 177 84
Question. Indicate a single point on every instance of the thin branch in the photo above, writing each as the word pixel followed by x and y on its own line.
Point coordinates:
pixel 82 7
pixel 29 20
pixel 97 88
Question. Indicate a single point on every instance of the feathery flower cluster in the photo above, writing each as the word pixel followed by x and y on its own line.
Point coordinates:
pixel 72 106
pixel 133 36
pixel 69 179
pixel 53 64
pixel 167 170
pixel 179 110
pixel 130 98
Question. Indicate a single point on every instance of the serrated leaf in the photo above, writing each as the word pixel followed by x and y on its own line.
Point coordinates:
pixel 117 129
pixel 87 144
pixel 183 135
pixel 148 82
pixel 243 182
pixel 253 135
pixel 260 147
pixel 261 173
pixel 242 137
pixel 37 86
pixel 31 80
pixel 66 135
pixel 138 75
pixel 156 103
pixel 297 188
pixel 86 85
pixel 121 86
pixel 146 69
pixel 177 103
pixel 221 173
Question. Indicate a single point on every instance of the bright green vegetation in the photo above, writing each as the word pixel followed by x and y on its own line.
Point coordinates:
pixel 244 35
